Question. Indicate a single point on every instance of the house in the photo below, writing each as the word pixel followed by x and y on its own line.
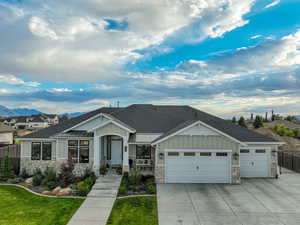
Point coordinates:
pixel 6 135
pixel 37 122
pixel 178 144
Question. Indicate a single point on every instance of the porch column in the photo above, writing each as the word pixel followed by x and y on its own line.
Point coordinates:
pixel 97 154
pixel 125 157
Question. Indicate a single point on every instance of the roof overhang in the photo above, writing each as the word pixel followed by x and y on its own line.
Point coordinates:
pixel 265 143
pixel 35 139
pixel 203 124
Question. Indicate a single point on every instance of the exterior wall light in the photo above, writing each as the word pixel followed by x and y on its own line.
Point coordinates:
pixel 236 156
pixel 161 155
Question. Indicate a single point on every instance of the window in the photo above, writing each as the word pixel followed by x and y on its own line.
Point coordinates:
pixel 189 154
pixel 41 151
pixel 36 151
pixel 260 151
pixel 173 153
pixel 143 151
pixel 205 153
pixel 221 154
pixel 46 151
pixel 244 151
pixel 79 151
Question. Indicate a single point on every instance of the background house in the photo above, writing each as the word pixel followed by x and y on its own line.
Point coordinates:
pixel 6 135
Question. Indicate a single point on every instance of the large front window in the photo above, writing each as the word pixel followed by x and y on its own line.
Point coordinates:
pixel 41 150
pixel 78 151
pixel 143 151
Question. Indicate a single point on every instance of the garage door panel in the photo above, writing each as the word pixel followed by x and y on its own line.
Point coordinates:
pixel 197 169
pixel 254 163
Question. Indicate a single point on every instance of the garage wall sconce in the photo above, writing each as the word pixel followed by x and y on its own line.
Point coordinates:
pixel 236 155
pixel 161 155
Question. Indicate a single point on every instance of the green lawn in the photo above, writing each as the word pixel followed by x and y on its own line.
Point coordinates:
pixel 20 207
pixel 134 211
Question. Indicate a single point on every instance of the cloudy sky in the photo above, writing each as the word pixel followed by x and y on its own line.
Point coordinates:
pixel 227 57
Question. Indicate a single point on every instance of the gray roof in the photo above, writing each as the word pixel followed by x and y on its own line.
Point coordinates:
pixel 159 119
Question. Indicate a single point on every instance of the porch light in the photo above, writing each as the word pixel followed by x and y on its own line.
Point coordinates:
pixel 236 156
pixel 161 155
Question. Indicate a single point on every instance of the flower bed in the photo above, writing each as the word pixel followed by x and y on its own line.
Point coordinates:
pixel 134 183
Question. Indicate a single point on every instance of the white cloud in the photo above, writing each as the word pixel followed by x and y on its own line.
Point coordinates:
pixel 67 40
pixel 272 4
pixel 61 90
pixel 13 80
pixel 267 57
pixel 255 36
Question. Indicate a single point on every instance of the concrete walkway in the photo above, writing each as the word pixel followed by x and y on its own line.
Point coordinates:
pixel 96 209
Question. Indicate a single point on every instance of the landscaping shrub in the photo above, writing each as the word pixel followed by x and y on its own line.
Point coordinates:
pixel 6 169
pixel 49 178
pixel 37 177
pixel 83 188
pixel 135 177
pixel 66 176
pixel 103 171
pixel 119 170
pixel 24 174
pixel 122 189
pixel 150 187
pixel 282 130
pixel 15 180
pixel 89 173
pixel 90 181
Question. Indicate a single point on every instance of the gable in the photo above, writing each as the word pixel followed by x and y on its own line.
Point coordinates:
pixel 199 129
pixel 90 124
pixel 110 129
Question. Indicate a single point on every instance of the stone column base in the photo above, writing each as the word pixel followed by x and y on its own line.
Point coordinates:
pixel 125 168
pixel 235 175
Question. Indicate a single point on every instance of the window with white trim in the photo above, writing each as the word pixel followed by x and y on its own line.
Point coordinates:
pixel 78 151
pixel 41 151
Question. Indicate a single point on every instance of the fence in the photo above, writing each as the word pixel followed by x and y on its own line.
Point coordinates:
pixel 289 160
pixel 13 153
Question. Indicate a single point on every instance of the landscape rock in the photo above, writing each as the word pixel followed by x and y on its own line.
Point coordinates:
pixel 56 190
pixel 29 180
pixel 46 193
pixel 64 192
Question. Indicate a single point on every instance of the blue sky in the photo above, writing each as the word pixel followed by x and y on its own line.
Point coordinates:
pixel 227 57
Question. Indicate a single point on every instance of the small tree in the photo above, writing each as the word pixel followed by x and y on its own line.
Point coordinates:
pixel 66 176
pixel 251 118
pixel 242 122
pixel 258 122
pixel 233 120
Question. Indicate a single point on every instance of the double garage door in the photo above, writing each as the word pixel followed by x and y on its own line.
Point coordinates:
pixel 198 167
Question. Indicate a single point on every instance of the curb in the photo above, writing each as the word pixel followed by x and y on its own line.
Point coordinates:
pixel 41 195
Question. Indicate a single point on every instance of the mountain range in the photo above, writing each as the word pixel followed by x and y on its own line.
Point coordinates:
pixel 4 111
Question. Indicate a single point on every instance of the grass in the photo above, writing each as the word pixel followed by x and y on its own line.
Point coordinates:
pixel 134 211
pixel 20 207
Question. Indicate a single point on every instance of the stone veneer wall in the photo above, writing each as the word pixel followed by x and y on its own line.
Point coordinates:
pixel 274 163
pixel 31 165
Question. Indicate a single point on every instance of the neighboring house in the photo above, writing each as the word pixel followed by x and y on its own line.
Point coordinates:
pixel 6 135
pixel 37 122
pixel 178 144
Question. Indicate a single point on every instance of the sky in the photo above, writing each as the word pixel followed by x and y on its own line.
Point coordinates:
pixel 225 57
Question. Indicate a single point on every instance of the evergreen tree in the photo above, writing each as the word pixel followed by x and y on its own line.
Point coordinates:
pixel 251 117
pixel 258 122
pixel 242 122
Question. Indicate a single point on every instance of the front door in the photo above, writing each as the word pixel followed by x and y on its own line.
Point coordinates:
pixel 116 151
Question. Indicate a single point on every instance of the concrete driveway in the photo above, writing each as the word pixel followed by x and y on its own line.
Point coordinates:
pixel 255 202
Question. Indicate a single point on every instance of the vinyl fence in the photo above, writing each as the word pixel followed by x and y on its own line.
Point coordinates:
pixel 289 160
pixel 13 152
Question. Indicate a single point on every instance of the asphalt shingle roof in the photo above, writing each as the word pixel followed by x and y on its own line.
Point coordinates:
pixel 164 119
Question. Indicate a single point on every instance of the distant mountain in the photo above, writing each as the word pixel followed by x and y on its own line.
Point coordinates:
pixel 4 111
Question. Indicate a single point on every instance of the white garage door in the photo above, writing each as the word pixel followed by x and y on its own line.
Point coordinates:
pixel 254 162
pixel 198 167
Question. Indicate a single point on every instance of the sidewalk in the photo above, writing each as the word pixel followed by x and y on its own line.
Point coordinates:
pixel 96 209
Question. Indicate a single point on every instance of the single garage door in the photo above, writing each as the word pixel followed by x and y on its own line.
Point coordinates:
pixel 198 167
pixel 254 162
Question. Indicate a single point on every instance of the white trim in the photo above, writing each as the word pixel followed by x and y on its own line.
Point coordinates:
pixel 108 122
pixel 35 139
pixel 258 147
pixel 265 143
pixel 203 124
pixel 198 150
pixel 139 143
